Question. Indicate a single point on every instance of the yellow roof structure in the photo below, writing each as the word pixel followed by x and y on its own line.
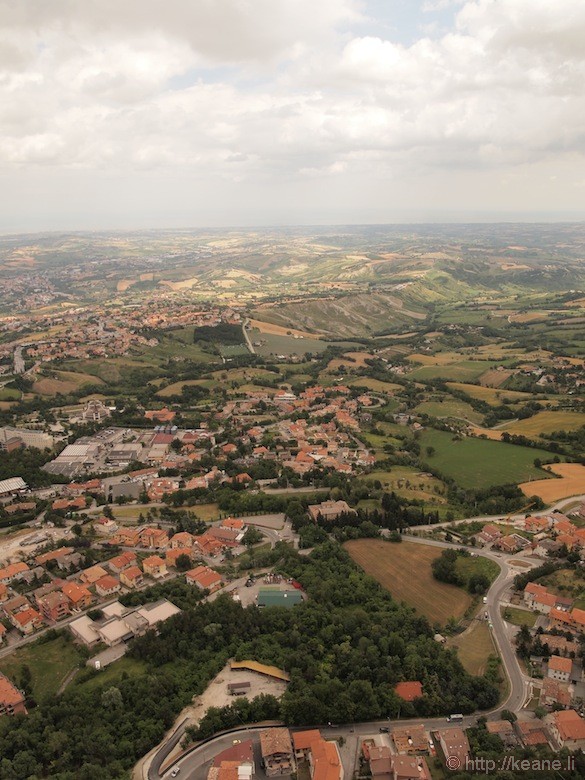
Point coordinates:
pixel 254 666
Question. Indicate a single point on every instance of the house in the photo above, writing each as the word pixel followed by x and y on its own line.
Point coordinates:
pixel 555 692
pixel 532 732
pixel 504 730
pixel 227 536
pixel 379 758
pixel 536 525
pixel 53 555
pixel 155 538
pixel 454 743
pixel 3 632
pixel 161 487
pixel 277 752
pixel 13 571
pixel 11 699
pixel 204 578
pixel 54 606
pixel 181 540
pixel 409 691
pixel 92 574
pixel 131 577
pixel 107 586
pixel 154 566
pixel 161 415
pixel 233 524
pixel 120 562
pixel 330 510
pixel 322 756
pixel 79 596
pixel 411 739
pixel 568 728
pixel 410 768
pixel 547 547
pixel 172 555
pixel 544 602
pixel 105 526
pixel 234 763
pixel 127 537
pixel 559 668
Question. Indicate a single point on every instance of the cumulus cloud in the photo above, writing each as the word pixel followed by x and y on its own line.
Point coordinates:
pixel 273 90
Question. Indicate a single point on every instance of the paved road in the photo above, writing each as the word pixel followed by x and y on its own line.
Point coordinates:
pixel 518 683
pixel 498 518
pixel 247 337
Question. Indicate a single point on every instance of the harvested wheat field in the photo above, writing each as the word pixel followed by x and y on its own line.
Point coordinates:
pixel 489 433
pixel 551 490
pixel 393 566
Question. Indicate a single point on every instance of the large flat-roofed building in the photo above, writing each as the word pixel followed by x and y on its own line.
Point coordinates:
pixel 84 630
pixel 330 510
pixel 9 488
pixel 27 437
pixel 277 752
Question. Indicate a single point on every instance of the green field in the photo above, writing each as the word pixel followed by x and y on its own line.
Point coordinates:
pixel 8 394
pixel 273 344
pixel 481 463
pixel 465 371
pixel 474 646
pixel 449 408
pixel 49 663
pixel 519 617
pixel 112 674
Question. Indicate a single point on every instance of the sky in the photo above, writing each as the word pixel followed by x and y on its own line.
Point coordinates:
pixel 129 114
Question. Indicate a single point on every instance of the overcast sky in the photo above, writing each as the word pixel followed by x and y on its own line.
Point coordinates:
pixel 178 113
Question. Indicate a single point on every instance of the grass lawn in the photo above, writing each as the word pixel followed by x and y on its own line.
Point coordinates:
pixel 113 673
pixel 519 617
pixel 474 646
pixel 393 566
pixel 49 664
pixel 207 512
pixel 481 463
pixel 466 566
pixel 8 394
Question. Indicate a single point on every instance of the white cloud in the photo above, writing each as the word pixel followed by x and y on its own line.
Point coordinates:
pixel 271 91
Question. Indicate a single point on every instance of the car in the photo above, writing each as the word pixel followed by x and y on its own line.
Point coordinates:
pixel 175 771
pixel 236 742
pixel 384 730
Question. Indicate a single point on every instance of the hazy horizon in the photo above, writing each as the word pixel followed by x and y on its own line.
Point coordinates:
pixel 142 115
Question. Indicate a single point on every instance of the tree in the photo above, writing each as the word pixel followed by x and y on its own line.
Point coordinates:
pixel 183 562
pixel 252 536
pixel 509 715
